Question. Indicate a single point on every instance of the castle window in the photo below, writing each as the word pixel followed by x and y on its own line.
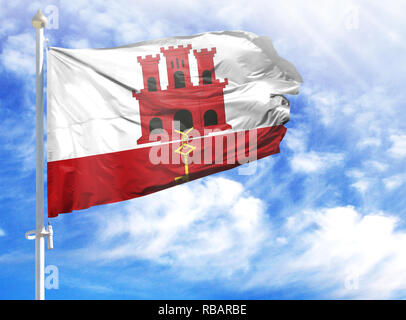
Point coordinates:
pixel 155 125
pixel 183 64
pixel 172 64
pixel 206 75
pixel 151 82
pixel 183 120
pixel 179 78
pixel 210 118
pixel 177 62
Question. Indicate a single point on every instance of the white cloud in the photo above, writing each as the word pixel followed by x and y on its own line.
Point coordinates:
pixel 14 257
pixel 18 138
pixel 362 180
pixel 213 229
pixel 375 165
pixel 347 242
pixel 213 226
pixel 18 53
pixel 362 185
pixel 368 126
pixel 326 103
pixel 122 22
pixel 7 26
pixel 296 139
pixel 398 148
pixel 394 182
pixel 361 116
pixel 308 161
pixel 2 233
pixel 78 43
pixel 327 247
pixel 369 142
pixel 315 162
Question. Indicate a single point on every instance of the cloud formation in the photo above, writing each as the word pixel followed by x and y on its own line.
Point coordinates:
pixel 213 227
pixel 18 54
pixel 341 245
pixel 215 230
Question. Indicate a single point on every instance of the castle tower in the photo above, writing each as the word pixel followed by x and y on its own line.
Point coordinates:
pixel 205 66
pixel 177 64
pixel 150 72
pixel 200 107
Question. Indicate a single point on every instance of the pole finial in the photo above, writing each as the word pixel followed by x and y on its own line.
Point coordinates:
pixel 39 20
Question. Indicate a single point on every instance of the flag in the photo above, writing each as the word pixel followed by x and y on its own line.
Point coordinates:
pixel 129 121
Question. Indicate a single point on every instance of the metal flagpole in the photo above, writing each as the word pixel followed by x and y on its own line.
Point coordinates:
pixel 39 22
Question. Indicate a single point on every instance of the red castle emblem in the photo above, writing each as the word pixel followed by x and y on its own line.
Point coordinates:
pixel 182 103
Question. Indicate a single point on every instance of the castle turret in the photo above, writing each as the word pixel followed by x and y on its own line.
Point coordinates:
pixel 177 64
pixel 205 66
pixel 150 72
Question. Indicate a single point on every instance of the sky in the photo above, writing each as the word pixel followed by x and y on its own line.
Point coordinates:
pixel 324 219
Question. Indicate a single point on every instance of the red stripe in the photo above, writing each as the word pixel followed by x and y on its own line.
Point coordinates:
pixel 80 183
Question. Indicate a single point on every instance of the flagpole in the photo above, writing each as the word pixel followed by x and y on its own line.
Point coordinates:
pixel 39 22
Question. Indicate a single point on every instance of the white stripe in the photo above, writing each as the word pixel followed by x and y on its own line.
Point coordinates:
pixel 90 105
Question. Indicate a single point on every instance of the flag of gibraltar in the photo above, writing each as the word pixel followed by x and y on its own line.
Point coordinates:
pixel 129 121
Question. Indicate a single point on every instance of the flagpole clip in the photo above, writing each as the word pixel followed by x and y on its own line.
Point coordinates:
pixel 30 235
pixel 48 232
pixel 50 237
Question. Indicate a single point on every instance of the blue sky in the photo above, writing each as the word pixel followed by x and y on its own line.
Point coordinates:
pixel 324 219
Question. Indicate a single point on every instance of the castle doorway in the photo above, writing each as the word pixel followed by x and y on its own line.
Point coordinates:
pixel 183 120
pixel 155 125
